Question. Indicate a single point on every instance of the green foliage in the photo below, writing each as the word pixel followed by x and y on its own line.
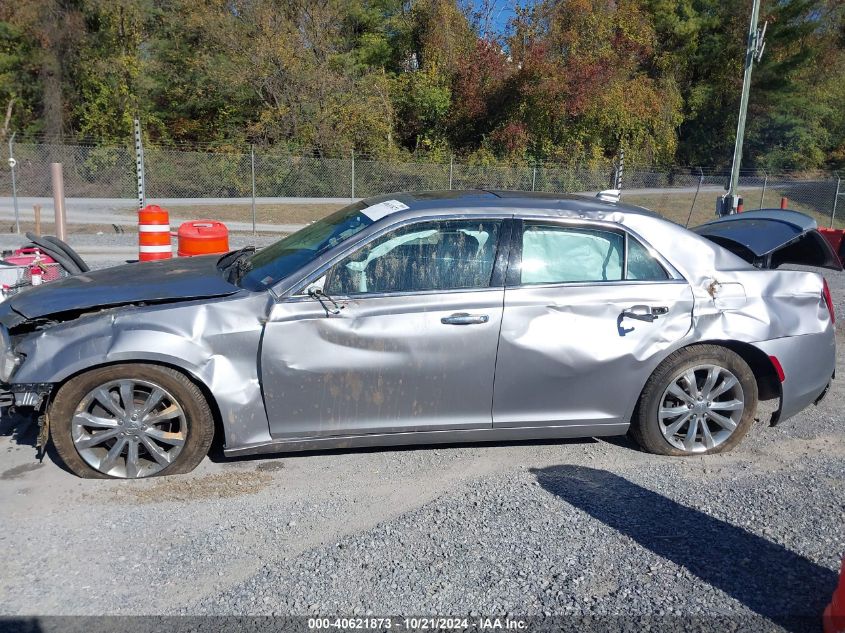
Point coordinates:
pixel 571 81
pixel 18 79
pixel 422 102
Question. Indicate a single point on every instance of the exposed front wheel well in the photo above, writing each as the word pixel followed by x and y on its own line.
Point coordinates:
pixel 209 397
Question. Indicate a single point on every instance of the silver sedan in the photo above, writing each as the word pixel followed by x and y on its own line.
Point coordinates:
pixel 427 318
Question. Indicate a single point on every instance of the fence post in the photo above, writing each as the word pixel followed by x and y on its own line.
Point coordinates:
pixel 139 166
pixel 765 183
pixel 12 163
pixel 58 198
pixel 835 198
pixel 252 174
pixel 353 175
pixel 621 168
pixel 534 178
pixel 451 167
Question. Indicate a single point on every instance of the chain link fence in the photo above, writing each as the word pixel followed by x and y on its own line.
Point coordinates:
pixel 269 187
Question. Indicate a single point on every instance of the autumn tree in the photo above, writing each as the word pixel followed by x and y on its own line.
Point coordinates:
pixel 572 81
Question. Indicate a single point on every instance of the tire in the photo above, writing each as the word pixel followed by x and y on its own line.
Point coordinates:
pixel 171 438
pixel 661 407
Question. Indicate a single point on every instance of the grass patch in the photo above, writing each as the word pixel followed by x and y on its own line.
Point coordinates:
pixel 677 206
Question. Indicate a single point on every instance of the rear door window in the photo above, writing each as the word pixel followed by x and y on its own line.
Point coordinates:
pixel 642 265
pixel 557 254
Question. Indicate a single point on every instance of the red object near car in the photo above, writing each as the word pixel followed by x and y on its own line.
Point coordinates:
pixel 834 616
pixel 203 237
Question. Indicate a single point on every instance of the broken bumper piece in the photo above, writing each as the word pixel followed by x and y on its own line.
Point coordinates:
pixel 24 395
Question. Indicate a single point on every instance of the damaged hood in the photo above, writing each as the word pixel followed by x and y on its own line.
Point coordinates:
pixel 772 237
pixel 179 279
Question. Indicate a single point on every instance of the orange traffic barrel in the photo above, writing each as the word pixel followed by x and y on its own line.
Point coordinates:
pixel 834 616
pixel 202 237
pixel 836 239
pixel 154 234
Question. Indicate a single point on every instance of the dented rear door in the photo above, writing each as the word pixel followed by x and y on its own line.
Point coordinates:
pixel 583 326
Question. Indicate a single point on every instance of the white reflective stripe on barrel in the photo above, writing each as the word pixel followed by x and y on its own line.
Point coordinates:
pixel 154 228
pixel 155 249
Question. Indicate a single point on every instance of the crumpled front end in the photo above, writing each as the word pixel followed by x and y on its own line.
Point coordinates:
pixel 214 341
pixel 16 393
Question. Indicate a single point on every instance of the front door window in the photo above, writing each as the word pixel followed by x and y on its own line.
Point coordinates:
pixel 429 256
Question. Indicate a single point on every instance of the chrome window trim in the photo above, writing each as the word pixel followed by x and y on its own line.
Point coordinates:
pixel 298 288
pixel 601 284
pixel 383 295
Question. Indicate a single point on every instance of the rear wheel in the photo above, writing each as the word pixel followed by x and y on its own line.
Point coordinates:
pixel 701 399
pixel 131 421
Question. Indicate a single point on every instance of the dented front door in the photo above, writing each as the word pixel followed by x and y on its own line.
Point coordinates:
pixel 384 364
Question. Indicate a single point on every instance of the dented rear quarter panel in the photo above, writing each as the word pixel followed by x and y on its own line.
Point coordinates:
pixel 780 312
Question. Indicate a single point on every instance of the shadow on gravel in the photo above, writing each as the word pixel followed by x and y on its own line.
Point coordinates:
pixel 22 428
pixel 622 441
pixel 216 454
pixel 769 579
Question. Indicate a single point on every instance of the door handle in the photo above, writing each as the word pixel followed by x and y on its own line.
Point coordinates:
pixel 644 313
pixel 464 318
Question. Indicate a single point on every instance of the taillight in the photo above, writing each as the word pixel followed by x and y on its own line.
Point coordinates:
pixel 778 368
pixel 828 300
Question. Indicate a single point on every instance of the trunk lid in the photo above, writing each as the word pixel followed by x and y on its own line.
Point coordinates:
pixel 770 238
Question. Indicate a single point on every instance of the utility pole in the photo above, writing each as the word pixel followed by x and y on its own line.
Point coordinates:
pixel 753 52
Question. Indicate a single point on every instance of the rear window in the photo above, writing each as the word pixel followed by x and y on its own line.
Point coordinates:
pixel 642 265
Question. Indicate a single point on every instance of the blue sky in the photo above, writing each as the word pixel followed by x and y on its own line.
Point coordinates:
pixel 502 12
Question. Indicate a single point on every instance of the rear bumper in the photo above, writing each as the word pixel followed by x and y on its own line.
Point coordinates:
pixel 808 362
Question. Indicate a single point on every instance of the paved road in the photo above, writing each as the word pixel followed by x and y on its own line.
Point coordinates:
pixel 122 210
pixel 103 211
pixel 110 249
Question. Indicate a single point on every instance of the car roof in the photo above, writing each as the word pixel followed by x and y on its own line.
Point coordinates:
pixel 537 202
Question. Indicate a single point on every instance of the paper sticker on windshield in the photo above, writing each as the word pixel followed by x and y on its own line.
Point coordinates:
pixel 378 211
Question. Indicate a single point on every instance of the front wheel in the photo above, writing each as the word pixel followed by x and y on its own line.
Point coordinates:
pixel 131 421
pixel 701 399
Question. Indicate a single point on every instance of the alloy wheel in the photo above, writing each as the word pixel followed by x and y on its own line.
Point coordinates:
pixel 701 408
pixel 129 428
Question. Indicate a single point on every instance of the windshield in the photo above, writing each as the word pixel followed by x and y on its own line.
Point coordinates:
pixel 272 264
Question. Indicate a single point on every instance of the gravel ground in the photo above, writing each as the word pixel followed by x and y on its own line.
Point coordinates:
pixel 587 527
